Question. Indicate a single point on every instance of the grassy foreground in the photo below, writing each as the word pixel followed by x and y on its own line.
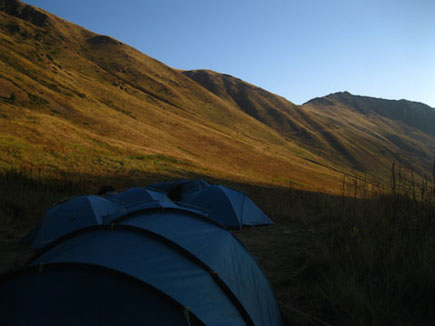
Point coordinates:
pixel 332 260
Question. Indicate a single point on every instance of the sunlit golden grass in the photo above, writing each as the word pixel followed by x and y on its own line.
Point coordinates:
pixel 87 103
pixel 65 134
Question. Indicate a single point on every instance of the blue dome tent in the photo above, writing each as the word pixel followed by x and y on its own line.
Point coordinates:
pixel 136 257
pixel 155 267
pixel 223 205
pixel 84 211
pixel 228 207
pixel 72 215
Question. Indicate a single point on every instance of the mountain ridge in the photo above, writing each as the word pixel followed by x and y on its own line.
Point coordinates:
pixel 304 125
pixel 415 114
pixel 116 104
pixel 347 93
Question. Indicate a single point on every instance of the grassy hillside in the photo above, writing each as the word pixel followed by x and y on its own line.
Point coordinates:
pixel 72 100
pixel 354 134
pixel 377 132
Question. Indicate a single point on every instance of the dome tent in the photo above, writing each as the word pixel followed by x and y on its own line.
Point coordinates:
pixel 72 215
pixel 84 211
pixel 191 271
pixel 228 207
pixel 223 205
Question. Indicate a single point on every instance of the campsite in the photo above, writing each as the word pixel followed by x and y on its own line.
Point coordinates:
pixel 135 191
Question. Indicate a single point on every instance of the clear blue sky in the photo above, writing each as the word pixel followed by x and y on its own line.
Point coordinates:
pixel 299 49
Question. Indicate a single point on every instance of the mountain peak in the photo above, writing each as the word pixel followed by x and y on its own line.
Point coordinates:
pixel 343 93
pixel 344 96
pixel 329 99
pixel 414 114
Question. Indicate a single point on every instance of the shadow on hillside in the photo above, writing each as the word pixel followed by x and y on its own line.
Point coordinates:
pixel 26 194
pixel 327 257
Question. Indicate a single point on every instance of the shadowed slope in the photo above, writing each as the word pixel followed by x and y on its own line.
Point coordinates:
pixel 350 132
pixel 272 110
pixel 380 131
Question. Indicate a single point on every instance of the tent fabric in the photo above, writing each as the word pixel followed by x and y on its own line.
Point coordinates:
pixel 228 207
pixel 72 215
pixel 174 262
pixel 193 261
pixel 153 262
pixel 212 245
pixel 90 210
pixel 78 294
pixel 152 206
pixel 136 195
pixel 223 253
pixel 223 205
